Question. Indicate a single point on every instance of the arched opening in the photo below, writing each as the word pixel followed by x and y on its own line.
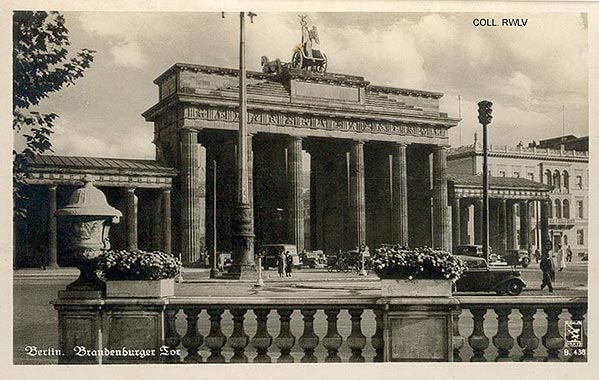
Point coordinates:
pixel 566 180
pixel 548 177
pixel 566 209
pixel 556 179
pixel 558 209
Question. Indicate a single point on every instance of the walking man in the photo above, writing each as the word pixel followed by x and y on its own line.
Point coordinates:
pixel 569 254
pixel 548 270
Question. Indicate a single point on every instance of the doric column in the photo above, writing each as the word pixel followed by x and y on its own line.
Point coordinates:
pixel 296 208
pixel 545 205
pixel 456 220
pixel 441 224
pixel 502 226
pixel 464 221
pixel 166 221
pixel 478 221
pixel 131 219
pixel 250 142
pixel 192 209
pixel 357 193
pixel 400 195
pixel 52 232
pixel 510 225
pixel 524 225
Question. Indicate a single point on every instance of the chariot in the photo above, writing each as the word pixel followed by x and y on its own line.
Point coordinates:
pixel 317 62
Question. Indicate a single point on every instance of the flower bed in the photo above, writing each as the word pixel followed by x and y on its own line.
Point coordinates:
pixel 138 265
pixel 420 263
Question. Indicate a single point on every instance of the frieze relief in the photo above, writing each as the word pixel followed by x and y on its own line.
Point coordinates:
pixel 258 117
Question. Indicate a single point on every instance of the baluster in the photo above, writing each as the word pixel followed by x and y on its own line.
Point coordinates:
pixel 356 340
pixel 192 340
pixel 262 340
pixel 578 313
pixel 478 340
pixel 285 340
pixel 503 341
pixel 552 340
pixel 239 339
pixel 333 340
pixel 171 337
pixel 527 340
pixel 377 338
pixel 458 339
pixel 309 340
pixel 215 340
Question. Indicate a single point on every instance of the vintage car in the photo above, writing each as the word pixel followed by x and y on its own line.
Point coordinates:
pixel 479 277
pixel 476 251
pixel 313 259
pixel 515 257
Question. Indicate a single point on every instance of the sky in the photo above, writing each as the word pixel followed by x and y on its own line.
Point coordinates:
pixel 536 76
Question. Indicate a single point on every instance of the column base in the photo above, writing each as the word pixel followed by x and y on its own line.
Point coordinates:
pixel 241 272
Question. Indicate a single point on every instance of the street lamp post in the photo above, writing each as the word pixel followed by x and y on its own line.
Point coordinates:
pixel 243 231
pixel 485 117
pixel 214 269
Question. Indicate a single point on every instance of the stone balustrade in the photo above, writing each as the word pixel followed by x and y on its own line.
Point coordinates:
pixel 292 330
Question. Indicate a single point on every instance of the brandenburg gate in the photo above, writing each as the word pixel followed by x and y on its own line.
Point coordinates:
pixel 377 159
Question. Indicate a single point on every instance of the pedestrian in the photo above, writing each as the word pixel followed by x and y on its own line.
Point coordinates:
pixel 569 254
pixel 281 263
pixel 548 270
pixel 537 255
pixel 561 258
pixel 288 263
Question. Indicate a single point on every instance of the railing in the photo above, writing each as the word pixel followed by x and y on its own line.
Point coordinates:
pixel 562 221
pixel 354 330
pixel 508 331
pixel 331 330
pixel 275 331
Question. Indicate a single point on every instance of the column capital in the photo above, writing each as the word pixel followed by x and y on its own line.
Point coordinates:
pixel 131 189
pixel 358 142
pixel 166 191
pixel 295 137
pixel 400 144
pixel 52 187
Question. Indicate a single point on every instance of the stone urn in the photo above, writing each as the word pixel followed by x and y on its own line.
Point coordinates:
pixel 89 217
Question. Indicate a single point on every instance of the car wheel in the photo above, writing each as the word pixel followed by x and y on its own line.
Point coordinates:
pixel 513 288
pixel 525 263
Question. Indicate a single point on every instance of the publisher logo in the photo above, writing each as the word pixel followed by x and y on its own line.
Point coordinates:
pixel 573 333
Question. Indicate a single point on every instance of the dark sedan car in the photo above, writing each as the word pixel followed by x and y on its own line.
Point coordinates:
pixel 479 277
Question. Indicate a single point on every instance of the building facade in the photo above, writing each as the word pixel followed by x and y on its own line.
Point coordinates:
pixel 550 163
pixel 372 149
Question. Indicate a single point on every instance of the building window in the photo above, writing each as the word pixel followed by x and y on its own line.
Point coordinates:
pixel 566 180
pixel 502 173
pixel 579 210
pixel 565 240
pixel 566 209
pixel 558 208
pixel 556 180
pixel 580 237
pixel 548 177
pixel 579 181
pixel 516 174
pixel 531 176
pixel 550 211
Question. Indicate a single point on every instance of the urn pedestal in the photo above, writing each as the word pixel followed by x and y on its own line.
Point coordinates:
pixel 412 307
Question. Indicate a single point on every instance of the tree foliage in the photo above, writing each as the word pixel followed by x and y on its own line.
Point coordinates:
pixel 42 64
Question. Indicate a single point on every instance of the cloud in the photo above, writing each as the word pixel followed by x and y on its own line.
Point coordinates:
pixel 527 72
pixel 128 54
